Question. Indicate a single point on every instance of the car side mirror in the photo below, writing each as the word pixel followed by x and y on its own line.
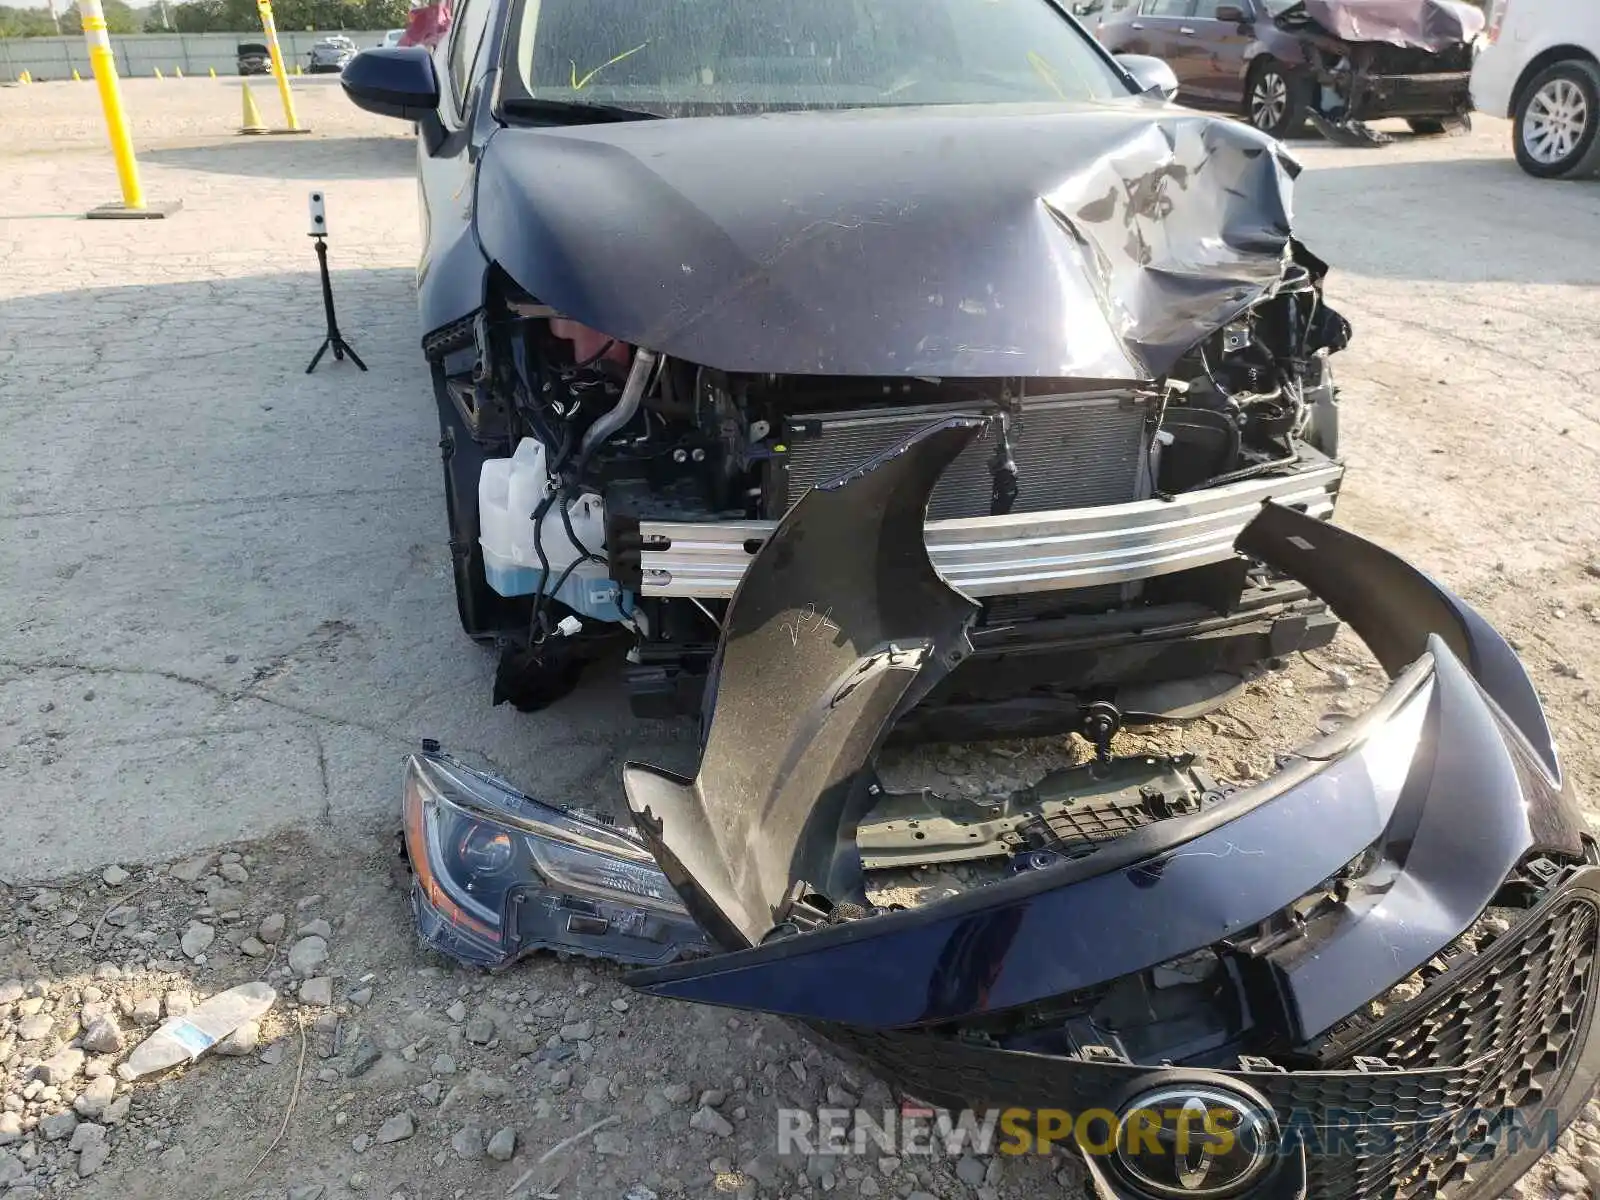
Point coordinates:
pixel 393 81
pixel 1150 74
pixel 1232 14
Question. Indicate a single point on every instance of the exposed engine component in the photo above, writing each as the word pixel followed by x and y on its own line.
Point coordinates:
pixel 587 439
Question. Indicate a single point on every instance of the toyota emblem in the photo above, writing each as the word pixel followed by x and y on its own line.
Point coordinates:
pixel 1194 1140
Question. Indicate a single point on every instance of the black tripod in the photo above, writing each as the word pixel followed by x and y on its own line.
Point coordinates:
pixel 334 340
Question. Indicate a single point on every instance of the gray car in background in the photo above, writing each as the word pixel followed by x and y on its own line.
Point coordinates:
pixel 331 54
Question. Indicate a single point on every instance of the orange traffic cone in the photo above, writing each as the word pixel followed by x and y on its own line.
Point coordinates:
pixel 252 114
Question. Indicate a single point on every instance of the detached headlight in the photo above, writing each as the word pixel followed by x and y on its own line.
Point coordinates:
pixel 499 874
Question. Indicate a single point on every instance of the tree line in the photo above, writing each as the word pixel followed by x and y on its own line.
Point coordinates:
pixel 210 16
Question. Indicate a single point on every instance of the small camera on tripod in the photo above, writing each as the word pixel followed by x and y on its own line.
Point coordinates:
pixel 334 340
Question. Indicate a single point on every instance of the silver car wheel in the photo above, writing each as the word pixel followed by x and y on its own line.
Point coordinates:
pixel 1269 101
pixel 1555 122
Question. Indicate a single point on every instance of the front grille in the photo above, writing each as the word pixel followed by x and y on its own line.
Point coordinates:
pixel 1070 451
pixel 1511 1024
pixel 1501 1034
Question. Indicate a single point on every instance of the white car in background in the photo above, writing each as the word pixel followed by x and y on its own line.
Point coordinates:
pixel 1540 65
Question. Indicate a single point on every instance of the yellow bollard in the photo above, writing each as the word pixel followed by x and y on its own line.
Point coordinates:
pixel 177 72
pixel 24 78
pixel 270 28
pixel 76 78
pixel 159 75
pixel 104 67
pixel 213 72
pixel 297 68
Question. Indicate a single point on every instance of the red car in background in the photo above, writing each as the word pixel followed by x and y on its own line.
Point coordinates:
pixel 1333 63
pixel 425 25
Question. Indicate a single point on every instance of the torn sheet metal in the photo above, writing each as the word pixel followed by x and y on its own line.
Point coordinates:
pixel 1087 240
pixel 1431 25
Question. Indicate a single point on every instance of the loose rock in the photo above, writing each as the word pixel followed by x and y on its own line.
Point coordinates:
pixel 60 1067
pixel 1569 1180
pixel 363 1057
pixel 307 1191
pixel 34 1028
pixel 254 948
pixel 503 1145
pixel 318 928
pixel 233 872
pixel 612 1143
pixel 396 1129
pixel 457 1012
pixel 468 1143
pixel 970 1171
pixel 114 876
pixel 102 1036
pixel 307 955
pixel 317 991
pixel 86 1135
pixel 191 870
pixel 709 1120
pixel 58 1125
pixel 146 1010
pixel 480 1030
pixel 196 938
pixel 93 1101
pixel 271 928
pixel 93 1158
pixel 578 1031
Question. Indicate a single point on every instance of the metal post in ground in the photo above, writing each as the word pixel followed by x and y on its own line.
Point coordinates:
pixel 105 77
pixel 270 28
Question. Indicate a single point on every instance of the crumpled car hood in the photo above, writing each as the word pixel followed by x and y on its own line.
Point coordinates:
pixel 1431 25
pixel 1091 241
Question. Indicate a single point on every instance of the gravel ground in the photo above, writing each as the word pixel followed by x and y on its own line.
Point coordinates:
pixel 227 613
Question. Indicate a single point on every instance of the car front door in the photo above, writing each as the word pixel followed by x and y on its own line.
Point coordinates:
pixel 1159 23
pixel 1217 48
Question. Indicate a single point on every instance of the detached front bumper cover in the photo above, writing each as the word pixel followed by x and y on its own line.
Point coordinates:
pixel 1374 855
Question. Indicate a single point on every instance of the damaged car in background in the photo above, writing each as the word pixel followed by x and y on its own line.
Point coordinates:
pixel 684 263
pixel 1335 64
pixel 903 368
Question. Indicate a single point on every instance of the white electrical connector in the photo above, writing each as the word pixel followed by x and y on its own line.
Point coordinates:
pixel 568 626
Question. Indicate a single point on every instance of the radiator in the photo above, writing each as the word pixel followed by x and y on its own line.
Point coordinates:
pixel 1071 452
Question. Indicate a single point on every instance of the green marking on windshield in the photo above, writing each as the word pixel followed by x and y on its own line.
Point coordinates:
pixel 1046 72
pixel 580 84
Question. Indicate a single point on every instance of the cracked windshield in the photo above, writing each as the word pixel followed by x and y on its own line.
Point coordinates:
pixel 707 56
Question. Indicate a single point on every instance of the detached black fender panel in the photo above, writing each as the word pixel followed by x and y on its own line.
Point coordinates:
pixel 840 625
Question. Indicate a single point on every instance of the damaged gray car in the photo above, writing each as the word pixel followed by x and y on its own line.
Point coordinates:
pixel 1333 64
pixel 684 262
pixel 874 368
